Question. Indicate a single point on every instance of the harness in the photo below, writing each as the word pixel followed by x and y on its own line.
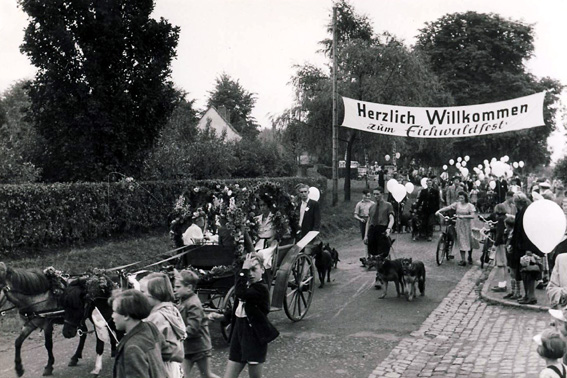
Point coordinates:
pixel 29 316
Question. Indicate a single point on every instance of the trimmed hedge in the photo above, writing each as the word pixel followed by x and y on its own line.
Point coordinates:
pixel 39 215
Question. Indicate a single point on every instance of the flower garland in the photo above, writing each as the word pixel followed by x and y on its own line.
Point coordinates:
pixel 55 277
pixel 234 207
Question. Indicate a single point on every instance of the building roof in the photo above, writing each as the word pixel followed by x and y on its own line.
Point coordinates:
pixel 219 123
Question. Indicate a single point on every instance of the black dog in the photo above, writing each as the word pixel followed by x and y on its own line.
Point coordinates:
pixel 414 272
pixel 335 256
pixel 323 262
pixel 389 270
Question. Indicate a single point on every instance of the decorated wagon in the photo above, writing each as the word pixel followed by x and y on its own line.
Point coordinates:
pixel 233 229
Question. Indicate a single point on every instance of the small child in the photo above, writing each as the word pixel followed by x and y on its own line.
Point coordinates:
pixel 551 348
pixel 197 345
pixel 530 269
pixel 499 232
pixel 168 320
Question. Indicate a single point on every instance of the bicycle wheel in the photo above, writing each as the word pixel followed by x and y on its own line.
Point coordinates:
pixel 441 249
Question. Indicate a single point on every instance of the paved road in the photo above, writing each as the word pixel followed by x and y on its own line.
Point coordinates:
pixel 348 331
pixel 465 337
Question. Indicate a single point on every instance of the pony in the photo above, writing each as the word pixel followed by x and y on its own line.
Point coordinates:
pixel 79 301
pixel 35 294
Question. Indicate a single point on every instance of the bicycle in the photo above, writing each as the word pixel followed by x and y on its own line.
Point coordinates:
pixel 485 236
pixel 446 240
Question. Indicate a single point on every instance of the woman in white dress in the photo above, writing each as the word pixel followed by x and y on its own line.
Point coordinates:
pixel 266 244
pixel 465 213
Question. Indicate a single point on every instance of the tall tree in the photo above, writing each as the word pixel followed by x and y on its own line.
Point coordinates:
pixel 237 101
pixel 481 58
pixel 376 68
pixel 18 139
pixel 103 90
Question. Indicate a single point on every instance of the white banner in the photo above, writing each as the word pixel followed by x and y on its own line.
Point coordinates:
pixel 450 122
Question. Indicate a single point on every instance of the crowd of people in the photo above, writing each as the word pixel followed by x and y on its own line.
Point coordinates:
pixel 517 259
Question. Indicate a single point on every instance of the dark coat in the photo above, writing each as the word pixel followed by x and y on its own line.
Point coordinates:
pixel 257 303
pixel 311 218
pixel 428 200
pixel 520 242
pixel 501 189
pixel 138 355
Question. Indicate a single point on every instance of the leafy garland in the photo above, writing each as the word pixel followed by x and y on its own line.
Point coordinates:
pixel 235 207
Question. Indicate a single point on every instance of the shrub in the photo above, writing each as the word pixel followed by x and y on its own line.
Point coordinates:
pixel 38 215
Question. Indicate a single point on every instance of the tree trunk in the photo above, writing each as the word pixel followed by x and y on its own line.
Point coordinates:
pixel 350 143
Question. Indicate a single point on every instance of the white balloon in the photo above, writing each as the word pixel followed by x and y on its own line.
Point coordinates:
pixel 423 182
pixel 397 155
pixel 481 176
pixel 509 174
pixel 464 172
pixel 399 192
pixel 485 162
pixel 492 184
pixel 387 157
pixel 451 162
pixel 492 161
pixel 499 169
pixel 445 167
pixel 515 164
pixel 487 171
pixel 314 193
pixel 506 158
pixel 467 158
pixel 409 187
pixel 479 166
pixel 458 165
pixel 459 159
pixel 521 164
pixel 390 184
pixel 464 163
pixel 503 159
pixel 477 182
pixel 544 224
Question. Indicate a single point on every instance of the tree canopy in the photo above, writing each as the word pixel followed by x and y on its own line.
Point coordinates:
pixel 238 102
pixel 102 91
pixel 481 58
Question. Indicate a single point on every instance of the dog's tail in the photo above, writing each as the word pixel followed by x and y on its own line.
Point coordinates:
pixel 421 283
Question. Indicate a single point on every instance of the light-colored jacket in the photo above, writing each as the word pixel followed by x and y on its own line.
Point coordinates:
pixel 557 286
pixel 166 317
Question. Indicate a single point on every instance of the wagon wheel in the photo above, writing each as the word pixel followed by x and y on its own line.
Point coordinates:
pixel 227 305
pixel 299 291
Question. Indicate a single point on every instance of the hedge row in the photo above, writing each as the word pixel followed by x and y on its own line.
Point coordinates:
pixel 38 215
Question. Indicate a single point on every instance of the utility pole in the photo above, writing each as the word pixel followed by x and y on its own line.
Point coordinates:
pixel 335 115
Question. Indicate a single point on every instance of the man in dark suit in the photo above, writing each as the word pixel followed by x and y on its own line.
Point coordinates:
pixel 428 201
pixel 309 212
pixel 501 189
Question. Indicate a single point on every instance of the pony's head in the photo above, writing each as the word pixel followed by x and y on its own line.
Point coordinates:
pixel 73 301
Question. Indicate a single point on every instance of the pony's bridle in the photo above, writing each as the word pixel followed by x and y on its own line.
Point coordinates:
pixel 4 290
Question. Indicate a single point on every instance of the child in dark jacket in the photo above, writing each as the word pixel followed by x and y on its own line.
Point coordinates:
pixel 251 330
pixel 197 344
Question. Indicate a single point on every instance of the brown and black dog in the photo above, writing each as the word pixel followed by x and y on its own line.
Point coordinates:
pixel 389 270
pixel 414 273
pixel 323 262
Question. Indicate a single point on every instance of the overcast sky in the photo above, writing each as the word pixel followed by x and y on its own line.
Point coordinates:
pixel 258 41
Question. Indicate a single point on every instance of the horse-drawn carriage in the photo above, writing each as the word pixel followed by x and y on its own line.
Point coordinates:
pixel 291 279
pixel 291 276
